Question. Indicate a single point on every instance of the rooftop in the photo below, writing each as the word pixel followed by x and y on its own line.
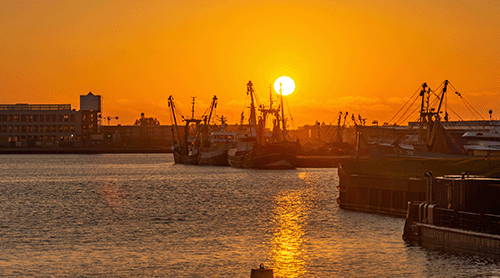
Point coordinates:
pixel 25 106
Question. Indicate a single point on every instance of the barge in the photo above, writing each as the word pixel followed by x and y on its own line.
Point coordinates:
pixel 460 214
pixel 386 186
pixel 381 194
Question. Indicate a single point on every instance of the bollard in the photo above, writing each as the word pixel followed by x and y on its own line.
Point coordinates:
pixel 261 272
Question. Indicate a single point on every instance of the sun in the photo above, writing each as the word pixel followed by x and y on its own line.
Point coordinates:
pixel 287 85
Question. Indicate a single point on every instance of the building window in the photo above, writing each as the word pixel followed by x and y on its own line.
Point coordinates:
pixel 28 128
pixel 16 118
pixel 54 118
pixel 29 118
pixel 72 128
pixel 5 128
pixel 5 118
pixel 35 128
pixel 23 118
pixel 72 117
pixel 35 118
pixel 54 129
pixel 66 118
pixel 16 128
pixel 42 118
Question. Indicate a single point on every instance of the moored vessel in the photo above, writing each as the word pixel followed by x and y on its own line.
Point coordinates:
pixel 186 148
pixel 257 150
pixel 431 140
pixel 214 148
pixel 460 214
pixel 386 186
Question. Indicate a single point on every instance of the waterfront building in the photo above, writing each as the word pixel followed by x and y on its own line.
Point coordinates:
pixel 90 114
pixel 50 125
pixel 137 136
pixel 24 124
pixel 146 132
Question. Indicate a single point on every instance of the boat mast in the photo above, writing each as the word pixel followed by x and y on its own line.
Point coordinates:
pixel 186 128
pixel 423 112
pixel 282 114
pixel 172 106
pixel 442 97
pixel 253 117
pixel 192 107
pixel 212 106
pixel 270 97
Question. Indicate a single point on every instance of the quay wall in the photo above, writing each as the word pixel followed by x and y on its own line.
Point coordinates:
pixel 82 150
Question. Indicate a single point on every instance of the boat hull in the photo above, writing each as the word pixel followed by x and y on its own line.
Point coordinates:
pixel 269 156
pixel 185 159
pixel 214 158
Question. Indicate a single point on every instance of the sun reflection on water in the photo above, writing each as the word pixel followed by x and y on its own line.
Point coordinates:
pixel 287 252
pixel 110 194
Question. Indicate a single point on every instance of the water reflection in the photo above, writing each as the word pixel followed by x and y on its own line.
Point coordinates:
pixel 288 254
pixel 110 194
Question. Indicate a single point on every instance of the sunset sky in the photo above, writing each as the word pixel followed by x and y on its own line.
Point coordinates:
pixel 364 57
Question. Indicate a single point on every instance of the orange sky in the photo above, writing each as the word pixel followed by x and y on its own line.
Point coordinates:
pixel 365 57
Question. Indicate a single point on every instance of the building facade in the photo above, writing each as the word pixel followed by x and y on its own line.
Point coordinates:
pixel 50 125
pixel 90 110
pixel 38 124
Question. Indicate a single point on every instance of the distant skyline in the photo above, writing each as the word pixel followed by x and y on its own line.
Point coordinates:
pixel 364 57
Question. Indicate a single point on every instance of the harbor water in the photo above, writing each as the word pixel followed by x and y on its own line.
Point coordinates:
pixel 133 215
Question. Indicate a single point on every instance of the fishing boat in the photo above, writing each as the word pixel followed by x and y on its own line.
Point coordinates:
pixel 186 148
pixel 215 146
pixel 257 149
pixel 433 140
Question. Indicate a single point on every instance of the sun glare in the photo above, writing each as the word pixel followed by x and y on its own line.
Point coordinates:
pixel 287 85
